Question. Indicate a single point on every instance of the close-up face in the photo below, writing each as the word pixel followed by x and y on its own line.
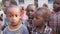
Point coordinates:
pixel 6 3
pixel 30 11
pixel 38 20
pixel 56 4
pixel 13 16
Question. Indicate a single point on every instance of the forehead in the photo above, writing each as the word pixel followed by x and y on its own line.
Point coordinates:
pixel 13 10
pixel 37 14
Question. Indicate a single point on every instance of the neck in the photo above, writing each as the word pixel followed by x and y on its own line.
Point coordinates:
pixel 15 26
pixel 41 30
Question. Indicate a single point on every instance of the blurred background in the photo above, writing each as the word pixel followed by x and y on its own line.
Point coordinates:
pixel 38 3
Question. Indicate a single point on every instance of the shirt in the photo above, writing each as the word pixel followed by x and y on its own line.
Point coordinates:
pixel 22 30
pixel 55 22
pixel 47 30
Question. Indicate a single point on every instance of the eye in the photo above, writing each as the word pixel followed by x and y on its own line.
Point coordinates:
pixel 56 3
pixel 16 15
pixel 10 16
pixel 35 18
pixel 31 10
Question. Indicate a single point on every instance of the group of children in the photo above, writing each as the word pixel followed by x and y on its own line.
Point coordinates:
pixel 32 20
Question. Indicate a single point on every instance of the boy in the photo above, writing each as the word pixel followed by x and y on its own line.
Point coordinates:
pixel 40 20
pixel 7 3
pixel 30 11
pixel 15 27
pixel 55 17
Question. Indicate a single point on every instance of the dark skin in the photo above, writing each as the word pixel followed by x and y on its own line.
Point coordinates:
pixel 56 5
pixel 6 3
pixel 30 11
pixel 13 15
pixel 38 20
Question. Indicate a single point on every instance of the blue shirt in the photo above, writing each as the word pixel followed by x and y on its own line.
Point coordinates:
pixel 22 30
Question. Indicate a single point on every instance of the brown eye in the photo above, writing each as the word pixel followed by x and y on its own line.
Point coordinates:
pixel 16 15
pixel 10 16
pixel 32 11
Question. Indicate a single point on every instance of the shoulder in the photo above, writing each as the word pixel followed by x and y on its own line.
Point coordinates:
pixel 24 27
pixel 25 30
pixel 48 29
pixel 5 30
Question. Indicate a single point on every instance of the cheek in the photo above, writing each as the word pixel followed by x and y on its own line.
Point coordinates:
pixel 27 13
pixel 41 20
pixel 38 22
pixel 56 6
pixel 17 18
pixel 10 20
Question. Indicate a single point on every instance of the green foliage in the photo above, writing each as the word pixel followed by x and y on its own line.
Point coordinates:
pixel 0 4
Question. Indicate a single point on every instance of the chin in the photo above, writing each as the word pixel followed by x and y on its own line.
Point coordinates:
pixel 30 17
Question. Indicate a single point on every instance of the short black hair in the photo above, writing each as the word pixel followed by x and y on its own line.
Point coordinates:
pixel 30 5
pixel 45 11
pixel 45 5
pixel 13 2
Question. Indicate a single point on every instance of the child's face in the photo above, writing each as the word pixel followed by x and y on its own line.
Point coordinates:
pixel 38 19
pixel 56 4
pixel 13 16
pixel 6 3
pixel 30 11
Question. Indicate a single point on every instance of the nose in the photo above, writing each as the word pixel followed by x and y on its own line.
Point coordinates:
pixel 30 12
pixel 14 18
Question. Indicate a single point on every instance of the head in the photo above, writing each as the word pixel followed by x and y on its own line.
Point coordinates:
pixel 6 3
pixel 56 5
pixel 13 2
pixel 30 10
pixel 41 16
pixel 45 5
pixel 13 14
